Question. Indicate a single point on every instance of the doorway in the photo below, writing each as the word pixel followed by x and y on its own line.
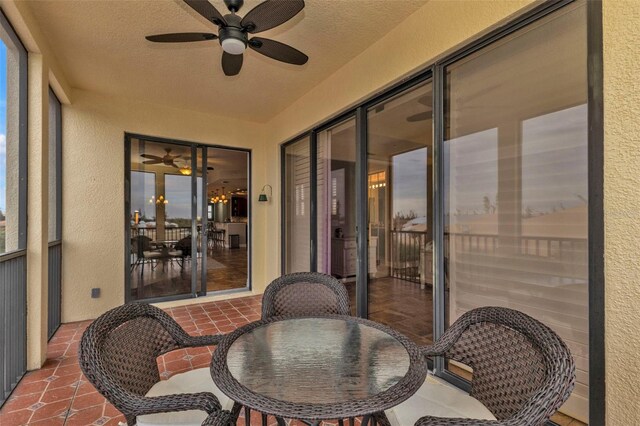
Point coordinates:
pixel 187 212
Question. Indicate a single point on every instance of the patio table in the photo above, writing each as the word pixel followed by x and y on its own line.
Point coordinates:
pixel 317 368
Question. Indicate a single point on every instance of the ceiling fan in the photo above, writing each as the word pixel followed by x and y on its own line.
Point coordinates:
pixel 167 159
pixel 422 116
pixel 186 168
pixel 233 31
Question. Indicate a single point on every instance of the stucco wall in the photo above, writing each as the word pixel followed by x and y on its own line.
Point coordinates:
pixel 621 25
pixel 93 129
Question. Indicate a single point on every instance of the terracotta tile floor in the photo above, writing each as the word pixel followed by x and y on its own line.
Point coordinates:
pixel 59 394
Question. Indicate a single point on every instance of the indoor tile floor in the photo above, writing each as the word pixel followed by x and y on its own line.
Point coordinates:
pixel 59 394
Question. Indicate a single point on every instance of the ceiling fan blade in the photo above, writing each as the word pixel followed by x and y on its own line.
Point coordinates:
pixel 151 156
pixel 421 116
pixel 173 165
pixel 231 64
pixel 181 37
pixel 271 13
pixel 206 9
pixel 425 100
pixel 278 51
pixel 152 162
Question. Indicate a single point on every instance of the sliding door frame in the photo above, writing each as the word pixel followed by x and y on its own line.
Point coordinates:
pixel 436 72
pixel 194 146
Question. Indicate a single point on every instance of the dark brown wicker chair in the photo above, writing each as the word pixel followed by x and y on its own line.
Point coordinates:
pixel 305 293
pixel 118 354
pixel 221 418
pixel 522 371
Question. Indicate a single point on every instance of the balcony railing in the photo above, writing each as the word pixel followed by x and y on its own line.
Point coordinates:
pixel 406 248
pixel 411 259
pixel 174 233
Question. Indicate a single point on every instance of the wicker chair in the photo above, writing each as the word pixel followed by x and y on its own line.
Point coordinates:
pixel 141 247
pixel 305 293
pixel 118 354
pixel 522 371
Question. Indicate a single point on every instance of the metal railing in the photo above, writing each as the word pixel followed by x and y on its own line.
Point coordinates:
pixel 406 256
pixel 547 247
pixel 13 320
pixel 170 233
pixel 55 287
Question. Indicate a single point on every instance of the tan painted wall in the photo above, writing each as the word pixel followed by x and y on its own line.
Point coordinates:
pixel 621 25
pixel 93 189
pixel 37 211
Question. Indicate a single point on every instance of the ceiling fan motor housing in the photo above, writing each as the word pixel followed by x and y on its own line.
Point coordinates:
pixel 232 38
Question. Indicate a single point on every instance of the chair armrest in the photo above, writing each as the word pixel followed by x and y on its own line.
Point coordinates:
pixel 195 341
pixel 444 421
pixel 221 418
pixel 439 348
pixel 142 405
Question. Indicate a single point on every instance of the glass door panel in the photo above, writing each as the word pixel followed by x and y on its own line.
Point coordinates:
pixel 160 220
pixel 227 226
pixel 516 182
pixel 400 193
pixel 336 195
pixel 297 211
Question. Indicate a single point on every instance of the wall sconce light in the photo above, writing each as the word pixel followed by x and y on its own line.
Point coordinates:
pixel 161 200
pixel 263 196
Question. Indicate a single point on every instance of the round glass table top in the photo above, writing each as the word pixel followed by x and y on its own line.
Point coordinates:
pixel 319 361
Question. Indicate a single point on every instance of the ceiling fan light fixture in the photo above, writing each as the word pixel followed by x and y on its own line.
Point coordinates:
pixel 233 46
pixel 232 39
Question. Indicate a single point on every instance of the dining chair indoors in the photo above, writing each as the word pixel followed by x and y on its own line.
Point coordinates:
pixel 144 252
pixel 522 373
pixel 118 353
pixel 305 293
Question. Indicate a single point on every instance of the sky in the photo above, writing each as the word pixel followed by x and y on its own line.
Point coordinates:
pixel 554 162
pixel 177 192
pixel 410 183
pixel 3 126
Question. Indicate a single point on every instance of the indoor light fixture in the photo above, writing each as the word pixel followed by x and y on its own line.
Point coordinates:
pixel 185 170
pixel 263 196
pixel 161 200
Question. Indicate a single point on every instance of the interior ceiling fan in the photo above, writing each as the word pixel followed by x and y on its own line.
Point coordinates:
pixel 233 31
pixel 187 166
pixel 422 116
pixel 167 159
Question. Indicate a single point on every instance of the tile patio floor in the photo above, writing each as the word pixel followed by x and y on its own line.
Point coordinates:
pixel 59 394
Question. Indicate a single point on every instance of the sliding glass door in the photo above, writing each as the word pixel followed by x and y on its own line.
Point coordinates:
pixel 188 209
pixel 515 182
pixel 161 220
pixel 296 159
pixel 227 225
pixel 400 198
pixel 336 204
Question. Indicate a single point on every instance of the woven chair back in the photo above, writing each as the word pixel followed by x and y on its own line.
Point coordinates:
pixel 305 293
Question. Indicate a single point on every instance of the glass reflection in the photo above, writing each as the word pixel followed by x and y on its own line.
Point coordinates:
pixel 400 193
pixel 303 360
pixel 515 163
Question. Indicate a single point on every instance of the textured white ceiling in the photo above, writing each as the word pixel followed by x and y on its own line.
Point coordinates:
pixel 101 47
